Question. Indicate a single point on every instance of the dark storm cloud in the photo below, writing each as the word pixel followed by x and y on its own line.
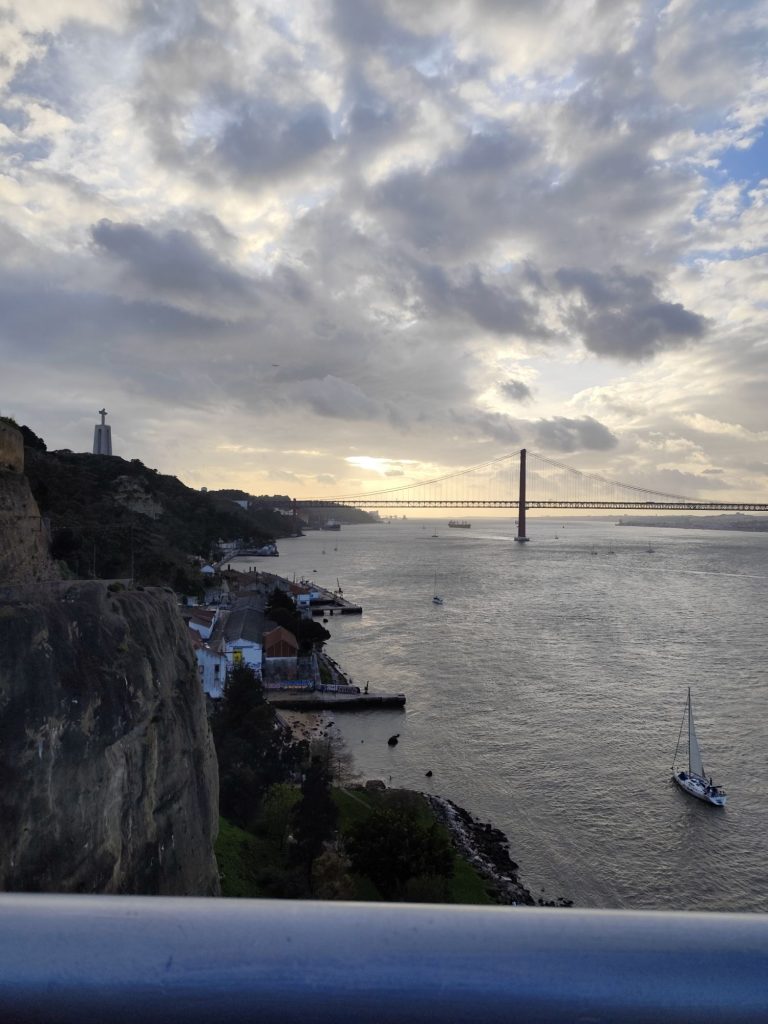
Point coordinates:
pixel 264 140
pixel 366 24
pixel 495 426
pixel 497 305
pixel 79 340
pixel 515 390
pixel 557 434
pixel 370 118
pixel 172 259
pixel 51 317
pixel 621 315
pixel 463 201
pixel 567 435
pixel 337 399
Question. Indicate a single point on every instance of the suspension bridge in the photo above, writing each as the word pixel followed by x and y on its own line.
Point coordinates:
pixel 525 480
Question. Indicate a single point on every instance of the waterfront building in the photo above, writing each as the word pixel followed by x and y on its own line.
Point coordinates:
pixel 211 664
pixel 242 635
pixel 202 620
pixel 281 661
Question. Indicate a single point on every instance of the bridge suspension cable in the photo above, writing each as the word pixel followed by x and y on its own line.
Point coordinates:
pixel 508 481
pixel 590 481
pixel 433 481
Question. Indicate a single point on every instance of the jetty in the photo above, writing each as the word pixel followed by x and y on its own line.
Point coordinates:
pixel 332 603
pixel 320 700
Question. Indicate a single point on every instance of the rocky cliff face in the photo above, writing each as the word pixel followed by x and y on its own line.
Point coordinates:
pixel 108 776
pixel 23 541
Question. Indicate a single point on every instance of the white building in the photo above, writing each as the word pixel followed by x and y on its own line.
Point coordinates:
pixel 202 620
pixel 242 636
pixel 211 665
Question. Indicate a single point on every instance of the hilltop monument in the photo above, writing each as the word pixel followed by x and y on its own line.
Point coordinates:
pixel 102 436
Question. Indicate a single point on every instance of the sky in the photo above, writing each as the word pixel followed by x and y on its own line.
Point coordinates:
pixel 316 247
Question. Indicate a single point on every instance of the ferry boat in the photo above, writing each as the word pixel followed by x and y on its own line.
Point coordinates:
pixel 331 524
pixel 459 524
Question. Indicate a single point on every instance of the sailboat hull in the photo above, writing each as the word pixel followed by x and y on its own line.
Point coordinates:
pixel 697 787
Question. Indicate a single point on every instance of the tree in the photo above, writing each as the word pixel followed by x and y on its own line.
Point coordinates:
pixel 253 751
pixel 393 845
pixel 277 813
pixel 314 817
pixel 278 599
pixel 308 633
pixel 31 440
pixel 336 758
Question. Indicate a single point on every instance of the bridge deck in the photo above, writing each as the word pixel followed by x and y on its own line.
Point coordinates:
pixel 618 506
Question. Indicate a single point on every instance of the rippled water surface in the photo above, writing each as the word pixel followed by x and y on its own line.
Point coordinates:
pixel 546 693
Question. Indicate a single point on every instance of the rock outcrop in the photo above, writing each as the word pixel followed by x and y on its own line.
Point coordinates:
pixel 108 776
pixel 23 539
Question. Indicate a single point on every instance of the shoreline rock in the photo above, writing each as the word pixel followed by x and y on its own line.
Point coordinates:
pixel 487 850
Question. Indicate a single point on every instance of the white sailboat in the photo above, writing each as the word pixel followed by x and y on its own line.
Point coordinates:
pixel 436 599
pixel 694 780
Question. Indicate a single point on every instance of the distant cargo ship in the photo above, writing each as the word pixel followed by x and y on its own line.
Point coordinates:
pixel 459 524
pixel 331 524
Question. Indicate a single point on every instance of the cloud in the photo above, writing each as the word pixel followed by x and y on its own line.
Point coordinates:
pixel 496 303
pixel 515 390
pixel 464 200
pixel 169 259
pixel 620 314
pixel 286 220
pixel 337 399
pixel 263 140
pixel 365 24
pixel 568 435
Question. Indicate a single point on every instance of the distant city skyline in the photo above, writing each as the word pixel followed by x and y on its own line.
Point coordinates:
pixel 323 247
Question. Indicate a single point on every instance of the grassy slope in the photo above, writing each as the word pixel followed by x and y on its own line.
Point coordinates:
pixel 251 866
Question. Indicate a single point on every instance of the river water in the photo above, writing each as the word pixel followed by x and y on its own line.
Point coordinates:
pixel 546 693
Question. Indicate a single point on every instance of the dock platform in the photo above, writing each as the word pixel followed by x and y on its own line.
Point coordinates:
pixel 317 700
pixel 335 607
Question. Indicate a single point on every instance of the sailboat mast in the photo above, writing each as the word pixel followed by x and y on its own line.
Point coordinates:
pixel 690 719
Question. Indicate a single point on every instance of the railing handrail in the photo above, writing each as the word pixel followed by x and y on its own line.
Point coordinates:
pixel 153 959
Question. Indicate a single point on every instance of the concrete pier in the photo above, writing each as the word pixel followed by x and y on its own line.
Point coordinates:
pixel 317 700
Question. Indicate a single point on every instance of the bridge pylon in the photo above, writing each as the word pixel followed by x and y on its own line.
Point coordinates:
pixel 521 538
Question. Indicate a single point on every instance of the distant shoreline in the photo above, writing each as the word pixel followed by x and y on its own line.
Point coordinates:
pixel 735 523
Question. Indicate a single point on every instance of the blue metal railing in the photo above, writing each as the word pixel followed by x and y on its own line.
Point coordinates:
pixel 160 959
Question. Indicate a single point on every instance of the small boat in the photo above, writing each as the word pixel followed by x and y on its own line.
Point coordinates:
pixel 693 780
pixel 436 599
